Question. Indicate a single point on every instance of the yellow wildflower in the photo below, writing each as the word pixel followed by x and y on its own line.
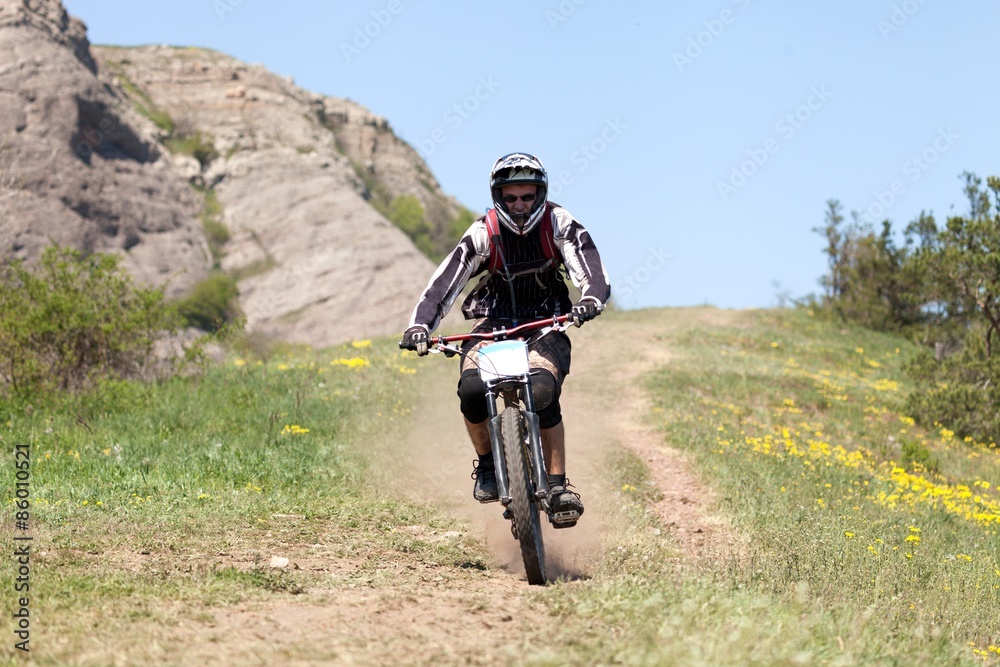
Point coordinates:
pixel 354 362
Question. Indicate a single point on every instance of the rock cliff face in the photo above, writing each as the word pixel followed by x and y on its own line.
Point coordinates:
pixel 111 148
pixel 78 166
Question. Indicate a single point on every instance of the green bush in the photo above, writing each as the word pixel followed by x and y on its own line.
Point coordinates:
pixel 216 233
pixel 941 288
pixel 406 212
pixel 75 320
pixel 211 304
pixel 961 391
pixel 197 145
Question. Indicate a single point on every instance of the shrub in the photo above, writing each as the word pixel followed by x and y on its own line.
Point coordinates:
pixel 216 233
pixel 942 288
pixel 962 390
pixel 197 145
pixel 74 320
pixel 211 304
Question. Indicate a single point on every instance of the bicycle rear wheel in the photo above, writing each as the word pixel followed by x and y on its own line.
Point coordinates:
pixel 524 505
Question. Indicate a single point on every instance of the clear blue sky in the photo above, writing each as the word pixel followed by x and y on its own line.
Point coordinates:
pixel 698 142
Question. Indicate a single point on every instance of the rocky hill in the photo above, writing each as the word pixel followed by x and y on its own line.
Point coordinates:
pixel 78 166
pixel 188 161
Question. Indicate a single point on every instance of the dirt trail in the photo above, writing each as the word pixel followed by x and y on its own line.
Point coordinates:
pixel 418 614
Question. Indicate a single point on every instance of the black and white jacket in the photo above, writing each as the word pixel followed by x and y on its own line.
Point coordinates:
pixel 534 290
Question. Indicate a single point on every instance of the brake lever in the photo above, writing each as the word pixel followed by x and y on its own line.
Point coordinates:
pixel 447 350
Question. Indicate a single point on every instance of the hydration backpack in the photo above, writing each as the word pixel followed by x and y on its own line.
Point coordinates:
pixel 544 228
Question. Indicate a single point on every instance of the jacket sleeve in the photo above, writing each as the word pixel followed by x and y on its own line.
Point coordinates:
pixel 451 277
pixel 581 257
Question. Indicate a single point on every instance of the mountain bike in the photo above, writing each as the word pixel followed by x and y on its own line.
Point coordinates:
pixel 515 436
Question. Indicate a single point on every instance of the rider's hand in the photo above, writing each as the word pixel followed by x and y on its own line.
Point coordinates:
pixel 415 338
pixel 585 310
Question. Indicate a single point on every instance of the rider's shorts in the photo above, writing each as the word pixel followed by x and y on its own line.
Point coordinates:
pixel 550 352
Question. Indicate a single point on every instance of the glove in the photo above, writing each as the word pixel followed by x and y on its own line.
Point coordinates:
pixel 585 310
pixel 415 338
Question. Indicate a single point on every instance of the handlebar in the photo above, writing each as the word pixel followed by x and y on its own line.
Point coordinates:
pixel 502 334
pixel 496 334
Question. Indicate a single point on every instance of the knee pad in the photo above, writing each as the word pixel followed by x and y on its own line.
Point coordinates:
pixel 546 391
pixel 472 393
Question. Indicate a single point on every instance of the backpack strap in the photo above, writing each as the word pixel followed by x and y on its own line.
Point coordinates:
pixel 493 234
pixel 544 228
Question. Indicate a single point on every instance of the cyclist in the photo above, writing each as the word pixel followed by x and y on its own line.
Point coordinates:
pixel 519 246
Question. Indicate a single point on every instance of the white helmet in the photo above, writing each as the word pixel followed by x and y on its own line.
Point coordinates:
pixel 519 169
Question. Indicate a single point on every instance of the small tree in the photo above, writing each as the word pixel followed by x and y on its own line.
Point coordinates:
pixel 835 243
pixel 73 320
pixel 966 269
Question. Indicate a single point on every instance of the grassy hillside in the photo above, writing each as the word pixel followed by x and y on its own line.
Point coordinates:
pixel 151 505
pixel 858 538
pixel 854 536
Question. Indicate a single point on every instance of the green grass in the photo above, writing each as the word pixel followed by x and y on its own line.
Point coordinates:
pixel 156 504
pixel 843 553
pixel 145 497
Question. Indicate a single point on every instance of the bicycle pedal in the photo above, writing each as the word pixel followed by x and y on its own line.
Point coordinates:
pixel 566 519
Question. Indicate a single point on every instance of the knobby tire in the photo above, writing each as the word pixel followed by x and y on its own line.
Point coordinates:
pixel 524 505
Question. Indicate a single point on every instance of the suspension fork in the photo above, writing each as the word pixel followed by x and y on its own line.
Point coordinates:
pixel 535 441
pixel 499 460
pixel 541 482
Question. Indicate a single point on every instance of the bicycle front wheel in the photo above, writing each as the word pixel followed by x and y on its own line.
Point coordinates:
pixel 524 505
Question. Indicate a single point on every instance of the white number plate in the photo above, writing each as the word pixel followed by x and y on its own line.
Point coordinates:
pixel 503 360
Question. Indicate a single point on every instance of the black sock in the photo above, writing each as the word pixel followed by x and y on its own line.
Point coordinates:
pixel 557 480
pixel 486 460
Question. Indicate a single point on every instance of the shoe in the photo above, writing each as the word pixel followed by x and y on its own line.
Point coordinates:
pixel 485 489
pixel 565 506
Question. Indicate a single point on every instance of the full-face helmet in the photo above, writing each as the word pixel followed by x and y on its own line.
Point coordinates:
pixel 519 169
